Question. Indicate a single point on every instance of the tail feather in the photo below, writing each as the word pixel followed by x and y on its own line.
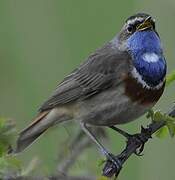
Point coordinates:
pixel 32 132
pixel 40 124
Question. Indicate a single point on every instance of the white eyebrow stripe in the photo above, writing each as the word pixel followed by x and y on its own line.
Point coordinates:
pixel 135 19
pixel 150 57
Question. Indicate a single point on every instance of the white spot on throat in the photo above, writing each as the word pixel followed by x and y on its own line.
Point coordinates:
pixel 140 80
pixel 150 57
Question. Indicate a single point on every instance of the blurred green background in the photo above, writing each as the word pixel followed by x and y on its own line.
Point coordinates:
pixel 42 41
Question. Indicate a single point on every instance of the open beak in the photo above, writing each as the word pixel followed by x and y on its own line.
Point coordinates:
pixel 147 24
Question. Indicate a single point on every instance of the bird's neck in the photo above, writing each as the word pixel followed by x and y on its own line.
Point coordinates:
pixel 148 60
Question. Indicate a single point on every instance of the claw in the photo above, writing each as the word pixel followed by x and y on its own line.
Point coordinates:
pixel 140 139
pixel 139 151
pixel 113 166
pixel 115 160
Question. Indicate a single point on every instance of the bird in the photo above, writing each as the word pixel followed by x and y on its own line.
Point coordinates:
pixel 115 85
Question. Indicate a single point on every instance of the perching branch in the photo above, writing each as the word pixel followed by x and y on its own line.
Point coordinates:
pixel 110 169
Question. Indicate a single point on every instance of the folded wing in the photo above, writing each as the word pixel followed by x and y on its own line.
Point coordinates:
pixel 100 71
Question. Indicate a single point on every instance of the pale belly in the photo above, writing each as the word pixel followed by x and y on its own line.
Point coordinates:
pixel 110 107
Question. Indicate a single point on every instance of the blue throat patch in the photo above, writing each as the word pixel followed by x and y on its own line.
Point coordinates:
pixel 140 43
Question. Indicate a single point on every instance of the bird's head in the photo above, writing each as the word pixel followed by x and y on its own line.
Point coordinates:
pixel 140 39
pixel 137 23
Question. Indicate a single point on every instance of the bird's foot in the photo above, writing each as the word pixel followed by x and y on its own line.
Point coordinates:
pixel 113 165
pixel 139 139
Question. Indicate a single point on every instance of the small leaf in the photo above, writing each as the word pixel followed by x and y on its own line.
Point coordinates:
pixel 162 132
pixel 158 116
pixel 171 128
pixel 14 162
pixel 150 114
pixel 3 162
pixel 169 119
pixel 101 162
pixel 103 178
pixel 170 78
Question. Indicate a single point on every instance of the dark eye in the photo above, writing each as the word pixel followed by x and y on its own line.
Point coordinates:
pixel 130 29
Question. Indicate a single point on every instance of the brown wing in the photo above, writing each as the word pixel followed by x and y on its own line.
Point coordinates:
pixel 100 71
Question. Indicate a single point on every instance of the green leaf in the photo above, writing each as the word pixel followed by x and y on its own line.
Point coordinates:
pixel 7 129
pixel 101 162
pixel 150 114
pixel 171 128
pixel 13 162
pixel 3 163
pixel 162 132
pixel 103 178
pixel 158 116
pixel 7 164
pixel 2 122
pixel 170 78
pixel 170 123
pixel 170 119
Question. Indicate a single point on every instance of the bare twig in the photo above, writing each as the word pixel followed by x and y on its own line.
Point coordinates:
pixel 110 169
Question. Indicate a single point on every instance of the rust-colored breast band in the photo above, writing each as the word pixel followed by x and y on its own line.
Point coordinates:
pixel 144 96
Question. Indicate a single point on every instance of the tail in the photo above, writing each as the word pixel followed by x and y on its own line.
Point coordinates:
pixel 40 124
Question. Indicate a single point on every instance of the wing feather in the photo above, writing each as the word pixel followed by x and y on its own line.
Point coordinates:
pixel 100 71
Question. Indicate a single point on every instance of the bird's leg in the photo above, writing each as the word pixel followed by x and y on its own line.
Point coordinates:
pixel 109 156
pixel 139 138
pixel 120 131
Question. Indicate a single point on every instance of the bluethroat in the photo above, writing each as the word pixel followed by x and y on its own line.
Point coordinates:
pixel 116 84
